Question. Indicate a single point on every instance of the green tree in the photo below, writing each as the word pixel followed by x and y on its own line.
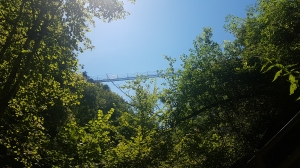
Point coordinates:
pixel 83 146
pixel 97 96
pixel 38 67
pixel 269 38
pixel 43 37
pixel 138 131
pixel 219 105
pixel 271 33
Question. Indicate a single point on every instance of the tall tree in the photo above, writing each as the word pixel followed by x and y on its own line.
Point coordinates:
pixel 38 66
pixel 220 104
pixel 269 37
pixel 34 32
pixel 97 96
pixel 270 32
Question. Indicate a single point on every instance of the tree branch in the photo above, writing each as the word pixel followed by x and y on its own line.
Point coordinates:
pixel 195 113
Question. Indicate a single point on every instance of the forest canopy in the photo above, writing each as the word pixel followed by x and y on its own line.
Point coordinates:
pixel 224 104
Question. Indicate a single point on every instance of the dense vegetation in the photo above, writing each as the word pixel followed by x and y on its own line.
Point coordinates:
pixel 224 104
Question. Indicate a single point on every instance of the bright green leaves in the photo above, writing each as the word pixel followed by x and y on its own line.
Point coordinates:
pixel 197 97
pixel 217 101
pixel 289 70
pixel 25 138
pixel 84 146
pixel 40 82
pixel 212 112
pixel 93 144
pixel 133 151
pixel 271 33
pixel 278 73
pixel 25 51
pixel 294 84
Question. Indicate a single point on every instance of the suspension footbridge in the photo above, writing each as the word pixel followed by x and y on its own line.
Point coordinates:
pixel 126 76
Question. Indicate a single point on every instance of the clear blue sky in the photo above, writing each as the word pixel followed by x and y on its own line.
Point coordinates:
pixel 155 28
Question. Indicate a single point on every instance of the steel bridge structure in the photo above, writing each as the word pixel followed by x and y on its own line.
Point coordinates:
pixel 127 76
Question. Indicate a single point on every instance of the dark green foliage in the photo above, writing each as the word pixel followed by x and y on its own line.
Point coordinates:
pixel 217 111
pixel 98 96
pixel 39 84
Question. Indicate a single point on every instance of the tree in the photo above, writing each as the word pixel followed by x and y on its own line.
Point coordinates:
pixel 97 96
pixel 269 36
pixel 221 106
pixel 83 146
pixel 38 67
pixel 138 132
pixel 34 31
pixel 271 33
pixel 216 111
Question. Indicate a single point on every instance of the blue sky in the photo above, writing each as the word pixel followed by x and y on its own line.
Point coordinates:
pixel 155 28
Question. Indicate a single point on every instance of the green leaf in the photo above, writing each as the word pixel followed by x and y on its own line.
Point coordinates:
pixel 292 78
pixel 277 75
pixel 25 51
pixel 279 66
pixel 294 83
pixel 293 87
pixel 289 66
pixel 270 67
pixel 264 66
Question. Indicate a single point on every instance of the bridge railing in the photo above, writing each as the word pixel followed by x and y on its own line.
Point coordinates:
pixel 124 77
